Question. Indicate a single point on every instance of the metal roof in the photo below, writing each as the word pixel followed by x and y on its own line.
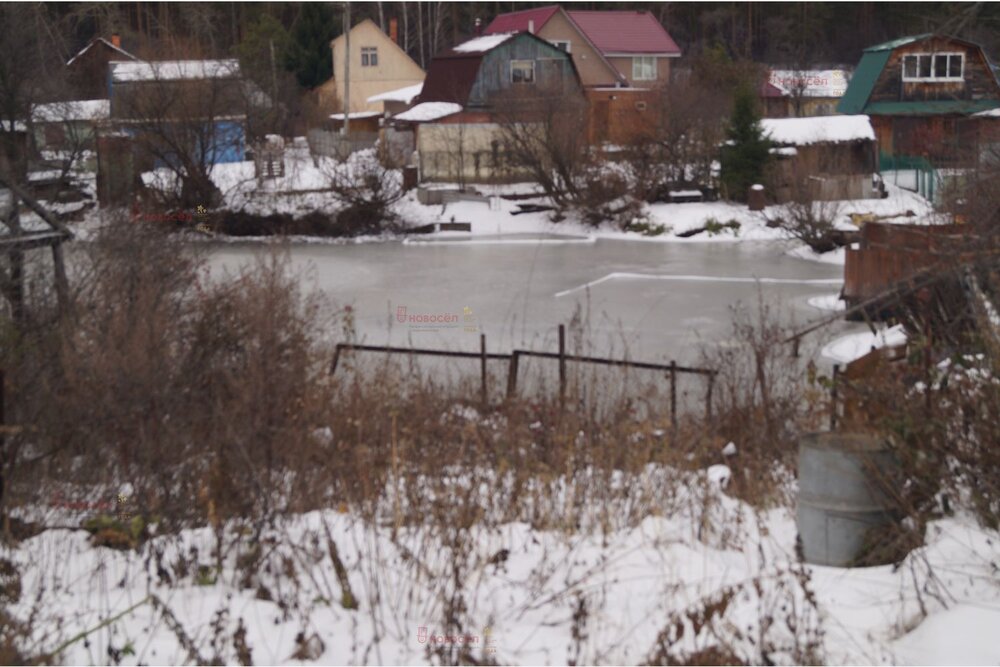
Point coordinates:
pixel 625 32
pixel 518 21
pixel 859 89
pixel 896 43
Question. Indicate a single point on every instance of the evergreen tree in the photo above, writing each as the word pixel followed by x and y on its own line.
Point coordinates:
pixel 309 56
pixel 747 151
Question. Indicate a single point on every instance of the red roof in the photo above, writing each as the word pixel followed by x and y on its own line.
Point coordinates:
pixel 518 21
pixel 768 89
pixel 624 32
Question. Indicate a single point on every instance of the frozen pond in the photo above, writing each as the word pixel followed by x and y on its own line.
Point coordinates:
pixel 655 301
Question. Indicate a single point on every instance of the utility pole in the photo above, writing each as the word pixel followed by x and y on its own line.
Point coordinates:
pixel 347 68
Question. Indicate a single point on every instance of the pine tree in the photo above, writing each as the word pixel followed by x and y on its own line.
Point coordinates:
pixel 309 56
pixel 747 151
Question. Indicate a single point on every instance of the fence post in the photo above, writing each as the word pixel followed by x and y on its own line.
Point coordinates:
pixel 708 397
pixel 336 359
pixel 833 398
pixel 482 366
pixel 673 395
pixel 512 374
pixel 562 366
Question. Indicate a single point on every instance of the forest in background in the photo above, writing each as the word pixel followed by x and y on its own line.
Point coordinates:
pixel 778 33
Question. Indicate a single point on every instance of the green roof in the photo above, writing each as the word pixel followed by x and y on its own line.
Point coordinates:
pixel 859 89
pixel 896 43
pixel 930 108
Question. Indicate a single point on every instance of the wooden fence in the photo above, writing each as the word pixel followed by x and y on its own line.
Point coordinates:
pixel 514 357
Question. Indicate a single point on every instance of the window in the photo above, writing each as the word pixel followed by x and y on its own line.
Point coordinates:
pixel 522 71
pixel 561 44
pixel 369 56
pixel 933 67
pixel 643 68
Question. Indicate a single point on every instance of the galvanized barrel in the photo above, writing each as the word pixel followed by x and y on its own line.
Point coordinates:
pixel 845 496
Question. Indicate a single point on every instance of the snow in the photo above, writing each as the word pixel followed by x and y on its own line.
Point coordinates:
pixel 847 348
pixel 174 70
pixel 788 151
pixel 729 449
pixel 79 110
pixel 356 114
pixel 831 302
pixel 484 43
pixel 818 129
pixel 428 111
pixel 989 113
pixel 100 39
pixel 940 606
pixel 405 95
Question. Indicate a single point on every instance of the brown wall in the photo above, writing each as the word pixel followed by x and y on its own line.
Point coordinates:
pixel 979 82
pixel 88 75
pixel 617 116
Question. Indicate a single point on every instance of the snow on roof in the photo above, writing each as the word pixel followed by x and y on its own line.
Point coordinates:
pixel 483 44
pixel 814 83
pixel 61 112
pixel 355 114
pixel 428 111
pixel 107 43
pixel 405 95
pixel 818 129
pixel 174 70
pixel 18 126
pixel 990 113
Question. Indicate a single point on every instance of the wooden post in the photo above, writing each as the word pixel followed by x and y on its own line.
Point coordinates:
pixel 795 346
pixel 482 368
pixel 562 366
pixel 336 359
pixel 512 374
pixel 833 398
pixel 673 395
pixel 708 397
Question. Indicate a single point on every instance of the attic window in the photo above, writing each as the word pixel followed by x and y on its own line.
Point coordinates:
pixel 522 71
pixel 933 67
pixel 643 68
pixel 369 56
pixel 561 44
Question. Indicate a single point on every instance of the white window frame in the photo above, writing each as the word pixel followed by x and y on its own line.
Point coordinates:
pixel 522 64
pixel 641 62
pixel 559 43
pixel 947 55
pixel 367 59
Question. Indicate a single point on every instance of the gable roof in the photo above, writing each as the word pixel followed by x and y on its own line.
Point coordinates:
pixel 387 40
pixel 817 130
pixel 452 73
pixel 520 21
pixel 871 66
pixel 100 40
pixel 625 32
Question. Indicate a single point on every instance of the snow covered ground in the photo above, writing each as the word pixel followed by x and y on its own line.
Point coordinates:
pixel 524 595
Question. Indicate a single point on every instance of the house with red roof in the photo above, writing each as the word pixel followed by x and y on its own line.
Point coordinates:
pixel 609 48
pixel 623 57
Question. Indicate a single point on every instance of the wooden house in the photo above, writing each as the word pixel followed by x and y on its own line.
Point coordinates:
pixel 622 58
pixel 471 88
pixel 923 93
pixel 822 158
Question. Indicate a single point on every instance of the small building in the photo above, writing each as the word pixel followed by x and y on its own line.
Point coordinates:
pixel 822 158
pixel 805 92
pixel 378 65
pixel 88 69
pixel 923 94
pixel 399 100
pixel 67 129
pixel 470 89
pixel 200 105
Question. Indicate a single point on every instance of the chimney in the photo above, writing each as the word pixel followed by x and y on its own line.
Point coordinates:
pixel 531 26
pixel 479 27
pixel 116 40
pixel 394 30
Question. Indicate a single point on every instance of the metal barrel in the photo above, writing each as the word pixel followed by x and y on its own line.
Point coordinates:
pixel 845 498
